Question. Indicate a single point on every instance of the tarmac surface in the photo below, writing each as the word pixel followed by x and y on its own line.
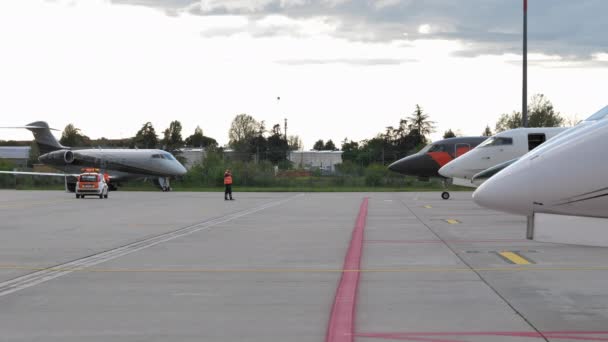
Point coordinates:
pixel 147 266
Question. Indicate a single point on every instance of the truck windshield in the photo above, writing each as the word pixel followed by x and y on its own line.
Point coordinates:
pixel 88 178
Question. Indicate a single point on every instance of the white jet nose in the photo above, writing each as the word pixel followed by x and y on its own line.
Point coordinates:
pixel 511 190
pixel 448 170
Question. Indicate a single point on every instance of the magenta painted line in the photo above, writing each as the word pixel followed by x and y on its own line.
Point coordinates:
pixel 448 241
pixel 341 325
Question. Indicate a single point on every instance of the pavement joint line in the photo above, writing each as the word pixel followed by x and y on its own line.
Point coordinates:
pixel 440 336
pixel 477 273
pixel 43 275
pixel 513 268
pixel 449 241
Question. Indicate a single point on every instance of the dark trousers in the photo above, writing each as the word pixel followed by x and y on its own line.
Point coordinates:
pixel 228 191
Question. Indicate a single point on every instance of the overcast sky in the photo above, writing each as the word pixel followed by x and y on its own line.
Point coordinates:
pixel 342 68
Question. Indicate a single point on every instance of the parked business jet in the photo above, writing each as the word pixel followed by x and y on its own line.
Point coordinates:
pixel 427 162
pixel 567 175
pixel 500 148
pixel 119 164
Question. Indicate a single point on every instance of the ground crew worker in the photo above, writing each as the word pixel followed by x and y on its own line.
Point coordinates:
pixel 228 185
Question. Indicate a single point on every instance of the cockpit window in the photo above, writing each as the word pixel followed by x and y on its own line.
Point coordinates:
pixel 599 115
pixel 157 156
pixel 496 141
pixel 426 148
pixel 168 156
pixel 437 148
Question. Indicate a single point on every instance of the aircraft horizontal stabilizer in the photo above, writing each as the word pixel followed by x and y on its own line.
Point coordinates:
pixel 39 173
pixel 32 127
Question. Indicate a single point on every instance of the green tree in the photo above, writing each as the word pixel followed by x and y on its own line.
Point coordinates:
pixel 330 146
pixel 172 140
pixel 34 154
pixel 294 142
pixel 508 121
pixel 449 134
pixel 319 145
pixel 73 137
pixel 487 132
pixel 350 150
pixel 278 146
pixel 541 113
pixel 419 121
pixel 243 130
pixel 146 137
pixel 198 139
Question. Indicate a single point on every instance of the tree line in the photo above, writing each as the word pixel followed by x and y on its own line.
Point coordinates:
pixel 250 140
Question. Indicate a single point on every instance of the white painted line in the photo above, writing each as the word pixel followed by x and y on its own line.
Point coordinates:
pixel 39 277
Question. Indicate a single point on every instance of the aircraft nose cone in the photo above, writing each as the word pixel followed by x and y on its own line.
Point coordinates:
pixel 415 165
pixel 448 170
pixel 509 191
pixel 181 170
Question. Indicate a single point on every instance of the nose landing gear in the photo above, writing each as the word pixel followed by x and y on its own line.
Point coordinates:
pixel 446 195
pixel 164 184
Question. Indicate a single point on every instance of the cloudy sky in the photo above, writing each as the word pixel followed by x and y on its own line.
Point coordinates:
pixel 342 68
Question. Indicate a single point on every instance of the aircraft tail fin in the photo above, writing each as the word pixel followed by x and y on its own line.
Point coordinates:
pixel 44 138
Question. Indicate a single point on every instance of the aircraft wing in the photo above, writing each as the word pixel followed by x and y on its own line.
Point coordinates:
pixel 463 182
pixel 40 173
pixel 486 174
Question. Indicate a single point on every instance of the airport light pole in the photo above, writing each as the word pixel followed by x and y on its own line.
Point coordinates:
pixel 524 107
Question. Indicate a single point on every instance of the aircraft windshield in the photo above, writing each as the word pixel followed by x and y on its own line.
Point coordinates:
pixel 426 148
pixel 496 141
pixel 599 115
pixel 163 156
pixel 437 148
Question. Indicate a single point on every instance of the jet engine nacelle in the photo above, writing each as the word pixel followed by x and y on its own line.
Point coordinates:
pixel 58 157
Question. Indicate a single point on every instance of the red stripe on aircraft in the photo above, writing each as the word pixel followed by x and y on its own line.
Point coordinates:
pixel 462 150
pixel 440 158
pixel 341 325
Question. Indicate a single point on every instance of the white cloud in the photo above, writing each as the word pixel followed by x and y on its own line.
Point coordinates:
pixel 424 29
pixel 109 69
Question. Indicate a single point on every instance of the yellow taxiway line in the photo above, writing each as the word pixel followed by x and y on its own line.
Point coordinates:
pixel 515 258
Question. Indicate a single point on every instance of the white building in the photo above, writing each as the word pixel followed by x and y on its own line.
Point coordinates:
pixel 323 160
pixel 19 155
pixel 193 156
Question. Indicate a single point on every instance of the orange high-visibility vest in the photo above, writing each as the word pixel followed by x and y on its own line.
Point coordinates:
pixel 228 179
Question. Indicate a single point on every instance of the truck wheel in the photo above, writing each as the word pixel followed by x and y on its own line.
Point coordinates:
pixel 77 196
